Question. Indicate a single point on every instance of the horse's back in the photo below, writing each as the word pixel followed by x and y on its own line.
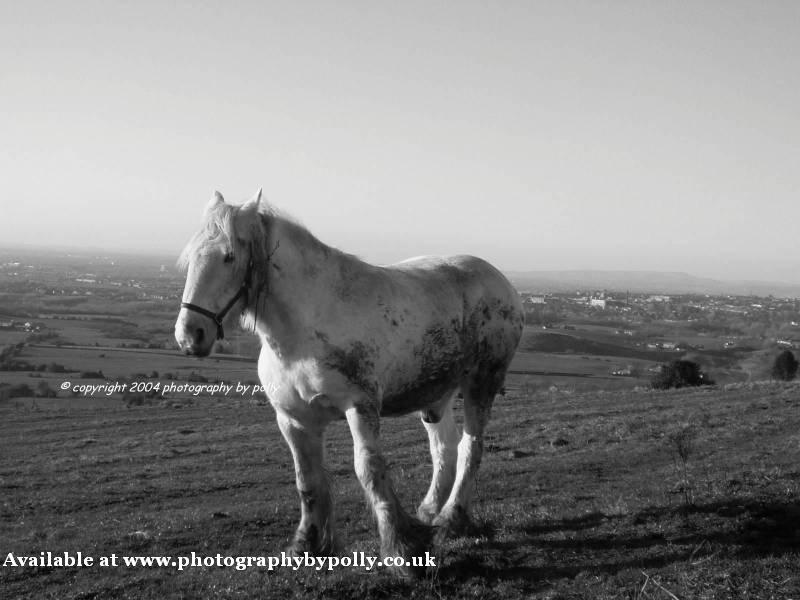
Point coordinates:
pixel 474 280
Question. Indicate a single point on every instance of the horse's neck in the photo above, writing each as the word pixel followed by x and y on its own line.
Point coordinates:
pixel 301 280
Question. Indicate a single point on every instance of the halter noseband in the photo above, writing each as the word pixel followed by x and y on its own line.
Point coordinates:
pixel 217 317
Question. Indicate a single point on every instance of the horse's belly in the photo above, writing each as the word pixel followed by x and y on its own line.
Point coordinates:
pixel 416 396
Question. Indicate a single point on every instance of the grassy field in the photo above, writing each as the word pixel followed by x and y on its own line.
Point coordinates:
pixel 531 371
pixel 122 344
pixel 634 494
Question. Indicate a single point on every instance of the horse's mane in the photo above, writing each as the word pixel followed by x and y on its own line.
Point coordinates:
pixel 219 226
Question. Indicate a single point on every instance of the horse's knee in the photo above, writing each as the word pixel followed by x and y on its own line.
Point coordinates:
pixel 470 452
pixel 308 498
pixel 370 467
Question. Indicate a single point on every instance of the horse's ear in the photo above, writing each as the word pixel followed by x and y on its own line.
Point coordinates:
pixel 254 203
pixel 215 202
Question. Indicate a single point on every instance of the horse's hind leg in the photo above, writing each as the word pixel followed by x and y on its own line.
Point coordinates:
pixel 315 532
pixel 479 389
pixel 401 534
pixel 443 437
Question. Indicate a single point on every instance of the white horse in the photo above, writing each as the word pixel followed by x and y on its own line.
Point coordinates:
pixel 341 337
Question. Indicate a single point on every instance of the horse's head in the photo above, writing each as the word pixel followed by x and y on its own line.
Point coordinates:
pixel 219 280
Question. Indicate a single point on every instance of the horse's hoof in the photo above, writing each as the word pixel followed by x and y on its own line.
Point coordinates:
pixel 309 542
pixel 294 549
pixel 451 524
pixel 409 571
pixel 426 514
pixel 413 543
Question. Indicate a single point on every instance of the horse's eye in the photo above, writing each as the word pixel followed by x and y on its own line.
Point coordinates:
pixel 228 257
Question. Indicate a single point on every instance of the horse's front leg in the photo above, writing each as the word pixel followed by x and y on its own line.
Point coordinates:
pixel 315 534
pixel 401 534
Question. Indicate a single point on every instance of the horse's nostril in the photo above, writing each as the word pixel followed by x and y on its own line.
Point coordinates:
pixel 199 335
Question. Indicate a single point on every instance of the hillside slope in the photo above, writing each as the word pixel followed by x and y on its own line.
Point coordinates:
pixel 601 495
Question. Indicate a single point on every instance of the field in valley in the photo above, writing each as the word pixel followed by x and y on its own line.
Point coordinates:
pixel 629 494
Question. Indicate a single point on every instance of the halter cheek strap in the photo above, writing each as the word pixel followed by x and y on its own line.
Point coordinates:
pixel 217 317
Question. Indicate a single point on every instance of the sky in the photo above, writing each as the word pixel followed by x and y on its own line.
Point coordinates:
pixel 538 135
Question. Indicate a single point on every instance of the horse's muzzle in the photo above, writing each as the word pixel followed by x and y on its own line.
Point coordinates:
pixel 193 338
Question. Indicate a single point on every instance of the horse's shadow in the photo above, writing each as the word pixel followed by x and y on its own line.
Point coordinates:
pixel 650 539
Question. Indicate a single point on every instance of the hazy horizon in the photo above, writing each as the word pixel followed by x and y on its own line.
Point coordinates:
pixel 543 137
pixel 168 259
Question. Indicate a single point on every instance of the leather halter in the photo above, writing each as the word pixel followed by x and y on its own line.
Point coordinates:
pixel 217 317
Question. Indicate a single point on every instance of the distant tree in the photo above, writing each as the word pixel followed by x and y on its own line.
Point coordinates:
pixel 131 399
pixel 91 375
pixel 20 390
pixel 785 366
pixel 43 390
pixel 194 376
pixel 678 374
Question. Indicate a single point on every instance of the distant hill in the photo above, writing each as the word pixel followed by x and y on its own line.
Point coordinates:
pixel 654 282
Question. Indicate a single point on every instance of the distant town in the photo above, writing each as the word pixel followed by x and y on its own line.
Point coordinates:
pixel 738 319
